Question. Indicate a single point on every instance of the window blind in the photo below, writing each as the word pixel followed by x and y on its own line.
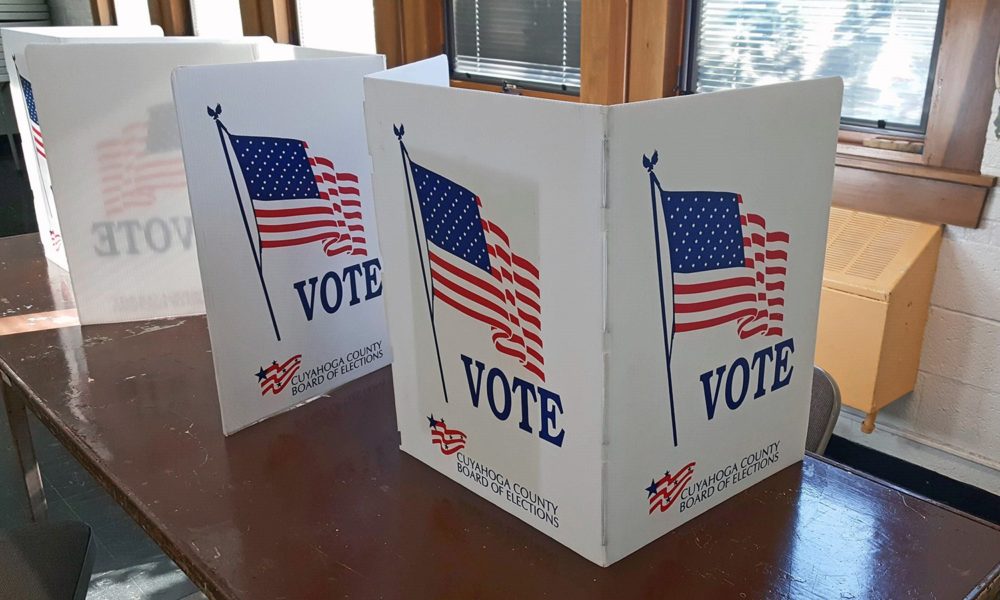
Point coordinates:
pixel 21 13
pixel 535 43
pixel 884 49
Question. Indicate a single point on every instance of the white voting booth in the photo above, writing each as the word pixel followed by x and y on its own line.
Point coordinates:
pixel 280 188
pixel 15 39
pixel 117 174
pixel 603 318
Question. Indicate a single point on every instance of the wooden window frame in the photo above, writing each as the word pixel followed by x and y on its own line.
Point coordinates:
pixel 276 19
pixel 273 18
pixel 942 184
pixel 631 50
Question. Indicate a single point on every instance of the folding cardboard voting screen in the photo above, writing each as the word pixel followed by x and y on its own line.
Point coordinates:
pixel 603 317
pixel 114 157
pixel 26 112
pixel 280 189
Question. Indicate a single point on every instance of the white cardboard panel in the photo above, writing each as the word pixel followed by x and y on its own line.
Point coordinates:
pixel 345 25
pixel 576 437
pixel 217 18
pixel 323 289
pixel 431 71
pixel 277 52
pixel 545 191
pixel 766 153
pixel 14 41
pixel 117 174
pixel 131 13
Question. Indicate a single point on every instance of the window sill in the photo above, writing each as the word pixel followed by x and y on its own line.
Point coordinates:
pixel 855 148
pixel 908 189
pixel 908 169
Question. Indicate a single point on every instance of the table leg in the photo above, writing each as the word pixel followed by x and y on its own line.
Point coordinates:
pixel 13 152
pixel 17 418
pixel 868 425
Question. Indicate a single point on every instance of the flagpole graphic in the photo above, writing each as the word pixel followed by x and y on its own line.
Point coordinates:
pixel 726 267
pixel 654 185
pixel 296 198
pixel 246 224
pixel 399 131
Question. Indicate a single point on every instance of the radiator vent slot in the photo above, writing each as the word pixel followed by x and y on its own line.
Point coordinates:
pixel 862 244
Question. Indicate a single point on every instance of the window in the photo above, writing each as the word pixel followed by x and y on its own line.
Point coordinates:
pixel 884 49
pixel 532 43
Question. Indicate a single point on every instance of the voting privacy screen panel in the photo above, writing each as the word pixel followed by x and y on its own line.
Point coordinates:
pixel 117 173
pixel 603 317
pixel 715 262
pixel 280 188
pixel 33 141
pixel 489 208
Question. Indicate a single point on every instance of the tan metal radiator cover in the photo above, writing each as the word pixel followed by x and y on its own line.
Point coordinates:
pixel 877 284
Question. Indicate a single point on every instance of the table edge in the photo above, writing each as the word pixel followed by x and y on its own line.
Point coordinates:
pixel 198 570
pixel 194 567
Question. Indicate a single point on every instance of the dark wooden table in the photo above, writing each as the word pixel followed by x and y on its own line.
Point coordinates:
pixel 320 503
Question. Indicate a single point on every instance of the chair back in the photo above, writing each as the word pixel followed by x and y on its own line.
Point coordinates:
pixel 824 408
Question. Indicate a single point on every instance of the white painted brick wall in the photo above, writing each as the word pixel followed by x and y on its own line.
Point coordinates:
pixel 956 403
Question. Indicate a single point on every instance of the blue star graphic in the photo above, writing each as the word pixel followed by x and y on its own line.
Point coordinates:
pixel 652 488
pixel 261 374
pixel 432 421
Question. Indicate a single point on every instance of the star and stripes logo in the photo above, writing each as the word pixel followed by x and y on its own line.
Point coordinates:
pixel 662 493
pixel 449 441
pixel 475 270
pixel 275 377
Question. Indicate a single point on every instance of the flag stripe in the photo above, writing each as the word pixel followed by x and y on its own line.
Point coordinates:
pixel 293 212
pixel 709 286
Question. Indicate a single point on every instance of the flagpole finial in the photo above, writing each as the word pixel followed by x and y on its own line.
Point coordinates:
pixel 399 131
pixel 649 163
pixel 214 113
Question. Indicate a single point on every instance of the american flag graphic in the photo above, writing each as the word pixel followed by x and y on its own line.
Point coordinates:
pixel 55 238
pixel 726 266
pixel 141 161
pixel 449 441
pixel 475 271
pixel 275 377
pixel 299 198
pixel 36 130
pixel 663 492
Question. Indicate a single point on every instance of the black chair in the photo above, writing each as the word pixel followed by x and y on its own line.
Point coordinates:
pixel 824 408
pixel 46 561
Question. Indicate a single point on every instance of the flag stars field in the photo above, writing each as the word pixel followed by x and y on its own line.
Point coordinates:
pixel 740 279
